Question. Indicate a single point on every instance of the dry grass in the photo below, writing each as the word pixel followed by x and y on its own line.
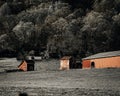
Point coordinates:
pixel 48 80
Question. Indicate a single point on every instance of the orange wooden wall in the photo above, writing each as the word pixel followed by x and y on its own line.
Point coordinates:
pixel 64 64
pixel 107 62
pixel 110 62
pixel 23 66
pixel 86 64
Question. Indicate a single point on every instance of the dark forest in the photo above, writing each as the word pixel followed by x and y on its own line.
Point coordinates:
pixel 62 27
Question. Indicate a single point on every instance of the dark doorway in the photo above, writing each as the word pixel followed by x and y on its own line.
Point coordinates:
pixel 92 65
pixel 72 63
pixel 30 65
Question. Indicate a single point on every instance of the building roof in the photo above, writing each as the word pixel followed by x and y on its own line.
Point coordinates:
pixel 66 57
pixel 103 55
pixel 30 61
pixel 27 62
pixel 21 63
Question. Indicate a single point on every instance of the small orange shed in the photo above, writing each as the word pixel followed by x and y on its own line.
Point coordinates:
pixel 27 65
pixel 67 62
pixel 102 60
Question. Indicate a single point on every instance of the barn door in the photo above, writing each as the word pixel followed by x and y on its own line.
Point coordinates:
pixel 92 65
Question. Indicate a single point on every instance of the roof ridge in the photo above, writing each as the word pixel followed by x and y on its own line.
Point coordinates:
pixel 103 54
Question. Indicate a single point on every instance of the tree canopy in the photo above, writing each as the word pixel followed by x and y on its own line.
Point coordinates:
pixel 60 26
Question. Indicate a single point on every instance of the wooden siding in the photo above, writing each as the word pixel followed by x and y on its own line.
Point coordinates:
pixel 86 64
pixel 112 62
pixel 23 66
pixel 64 64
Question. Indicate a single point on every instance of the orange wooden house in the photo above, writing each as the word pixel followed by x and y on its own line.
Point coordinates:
pixel 27 65
pixel 102 60
pixel 67 62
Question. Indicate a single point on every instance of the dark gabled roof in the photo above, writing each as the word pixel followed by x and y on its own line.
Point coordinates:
pixel 103 55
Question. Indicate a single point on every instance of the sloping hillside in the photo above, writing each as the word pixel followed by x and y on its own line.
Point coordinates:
pixel 59 26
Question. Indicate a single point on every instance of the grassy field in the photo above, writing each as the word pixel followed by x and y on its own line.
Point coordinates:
pixel 48 80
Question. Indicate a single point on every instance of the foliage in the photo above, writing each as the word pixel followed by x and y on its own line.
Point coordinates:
pixel 61 26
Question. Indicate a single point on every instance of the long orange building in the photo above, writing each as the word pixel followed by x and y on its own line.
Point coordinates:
pixel 102 60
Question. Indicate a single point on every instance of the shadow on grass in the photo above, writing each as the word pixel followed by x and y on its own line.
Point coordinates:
pixel 23 94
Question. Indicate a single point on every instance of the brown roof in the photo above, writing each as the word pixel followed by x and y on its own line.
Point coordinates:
pixel 103 55
pixel 66 57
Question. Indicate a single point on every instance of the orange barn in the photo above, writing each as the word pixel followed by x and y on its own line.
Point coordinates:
pixel 102 60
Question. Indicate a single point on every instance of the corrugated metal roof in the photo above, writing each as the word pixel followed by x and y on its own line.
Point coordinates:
pixel 66 57
pixel 103 55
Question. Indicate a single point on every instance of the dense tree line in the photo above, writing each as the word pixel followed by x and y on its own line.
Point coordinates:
pixel 64 27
